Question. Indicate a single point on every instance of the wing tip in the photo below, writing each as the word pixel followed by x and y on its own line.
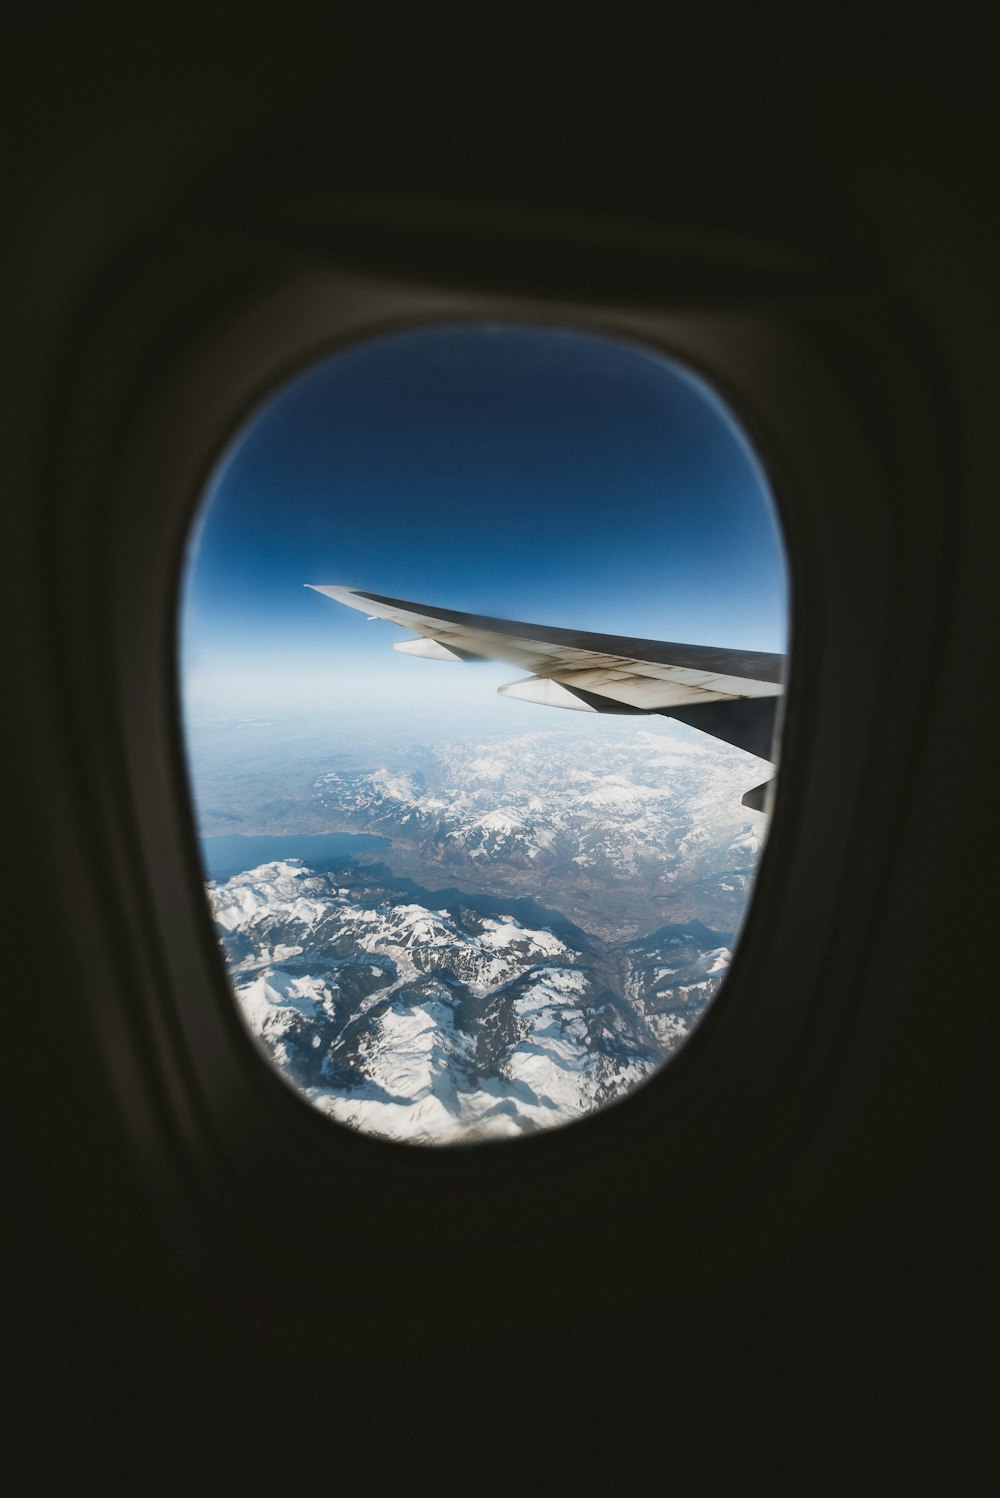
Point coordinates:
pixel 334 590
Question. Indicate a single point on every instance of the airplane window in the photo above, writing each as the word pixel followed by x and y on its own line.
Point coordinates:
pixel 489 880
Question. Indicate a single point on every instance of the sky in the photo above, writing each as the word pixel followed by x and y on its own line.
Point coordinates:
pixel 541 474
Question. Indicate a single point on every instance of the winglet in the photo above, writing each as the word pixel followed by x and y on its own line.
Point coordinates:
pixel 761 798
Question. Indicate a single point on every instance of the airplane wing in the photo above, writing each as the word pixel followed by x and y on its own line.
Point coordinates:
pixel 731 694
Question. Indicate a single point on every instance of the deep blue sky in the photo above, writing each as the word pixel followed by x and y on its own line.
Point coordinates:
pixel 531 473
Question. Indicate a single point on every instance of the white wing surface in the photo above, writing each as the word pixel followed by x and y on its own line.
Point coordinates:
pixel 730 694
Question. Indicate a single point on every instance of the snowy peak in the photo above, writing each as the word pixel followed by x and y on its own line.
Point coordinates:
pixel 558 814
pixel 594 886
pixel 421 1025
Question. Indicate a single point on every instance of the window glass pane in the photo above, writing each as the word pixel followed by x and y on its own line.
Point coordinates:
pixel 448 911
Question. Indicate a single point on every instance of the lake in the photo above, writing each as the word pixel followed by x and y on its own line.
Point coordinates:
pixel 233 854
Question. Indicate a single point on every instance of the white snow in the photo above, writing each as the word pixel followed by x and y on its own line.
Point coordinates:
pixel 655 804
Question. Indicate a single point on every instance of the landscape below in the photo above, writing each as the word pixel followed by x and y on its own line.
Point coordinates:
pixel 525 930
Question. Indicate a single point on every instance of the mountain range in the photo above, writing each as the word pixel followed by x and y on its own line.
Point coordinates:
pixel 534 985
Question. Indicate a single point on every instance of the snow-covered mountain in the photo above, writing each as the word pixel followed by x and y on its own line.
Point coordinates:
pixel 424 1024
pixel 534 988
pixel 644 814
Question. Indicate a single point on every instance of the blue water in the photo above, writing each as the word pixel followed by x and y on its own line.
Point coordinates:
pixel 225 856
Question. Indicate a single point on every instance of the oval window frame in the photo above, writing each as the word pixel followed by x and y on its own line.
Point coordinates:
pixel 202 520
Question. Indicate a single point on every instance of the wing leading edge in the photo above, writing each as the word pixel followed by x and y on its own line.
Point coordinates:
pixel 733 695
